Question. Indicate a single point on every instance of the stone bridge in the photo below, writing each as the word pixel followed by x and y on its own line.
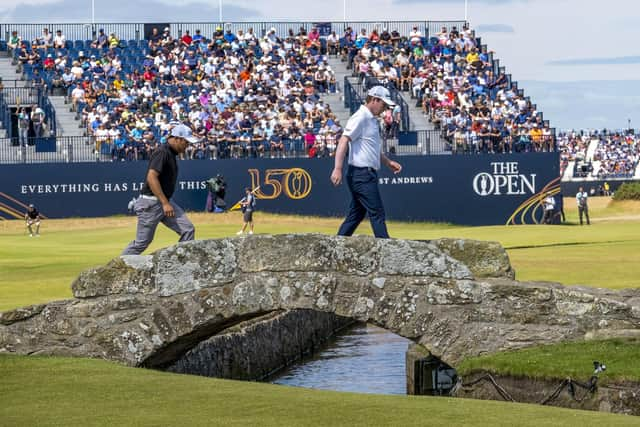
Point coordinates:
pixel 455 297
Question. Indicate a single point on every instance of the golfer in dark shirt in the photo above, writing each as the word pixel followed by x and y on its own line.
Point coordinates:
pixel 154 204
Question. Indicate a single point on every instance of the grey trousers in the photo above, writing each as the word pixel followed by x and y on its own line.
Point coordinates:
pixel 150 214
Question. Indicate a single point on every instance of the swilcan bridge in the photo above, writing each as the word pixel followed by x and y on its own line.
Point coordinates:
pixel 457 298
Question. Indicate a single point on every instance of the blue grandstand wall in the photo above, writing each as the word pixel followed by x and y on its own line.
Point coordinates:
pixel 474 190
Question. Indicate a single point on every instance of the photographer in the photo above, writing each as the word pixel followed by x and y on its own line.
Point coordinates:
pixel 217 190
pixel 549 205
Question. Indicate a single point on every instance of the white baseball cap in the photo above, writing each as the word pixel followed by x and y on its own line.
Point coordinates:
pixel 183 131
pixel 382 93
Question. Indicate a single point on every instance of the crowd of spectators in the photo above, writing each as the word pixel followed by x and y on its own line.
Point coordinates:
pixel 573 148
pixel 454 82
pixel 618 155
pixel 615 154
pixel 249 95
pixel 244 95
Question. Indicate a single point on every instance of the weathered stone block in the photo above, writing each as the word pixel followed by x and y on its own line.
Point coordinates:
pixel 128 274
pixel 484 259
pixel 194 265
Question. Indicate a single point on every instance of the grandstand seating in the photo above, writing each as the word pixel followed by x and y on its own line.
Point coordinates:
pixel 238 94
pixel 599 155
pixel 461 88
pixel 458 84
pixel 243 97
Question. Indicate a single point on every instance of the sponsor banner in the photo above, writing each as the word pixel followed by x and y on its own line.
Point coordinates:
pixel 475 190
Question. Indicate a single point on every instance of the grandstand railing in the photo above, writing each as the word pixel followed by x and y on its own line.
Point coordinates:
pixel 10 83
pixel 22 95
pixel 137 31
pixel 353 99
pixel 79 149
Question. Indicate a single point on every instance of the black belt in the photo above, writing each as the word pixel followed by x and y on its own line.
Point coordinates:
pixel 369 168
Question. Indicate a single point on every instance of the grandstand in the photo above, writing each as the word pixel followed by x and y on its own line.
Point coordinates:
pixel 599 155
pixel 109 92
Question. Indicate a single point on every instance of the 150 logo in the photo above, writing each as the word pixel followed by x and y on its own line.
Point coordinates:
pixel 295 182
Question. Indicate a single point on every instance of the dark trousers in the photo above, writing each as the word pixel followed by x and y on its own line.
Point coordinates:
pixel 583 211
pixel 365 199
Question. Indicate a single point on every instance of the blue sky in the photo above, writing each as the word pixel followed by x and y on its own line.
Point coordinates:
pixel 578 60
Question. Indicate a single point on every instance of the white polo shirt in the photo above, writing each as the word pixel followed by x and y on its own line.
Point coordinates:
pixel 363 130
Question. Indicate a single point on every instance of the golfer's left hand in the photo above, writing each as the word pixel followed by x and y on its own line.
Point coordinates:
pixel 336 177
pixel 394 166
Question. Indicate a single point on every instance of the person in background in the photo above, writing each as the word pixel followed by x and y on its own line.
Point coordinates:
pixel 248 204
pixel 583 206
pixel 32 217
pixel 101 41
pixel 14 42
pixel 23 127
pixel 549 205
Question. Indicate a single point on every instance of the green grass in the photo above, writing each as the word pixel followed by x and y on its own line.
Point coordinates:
pixel 59 391
pixel 570 359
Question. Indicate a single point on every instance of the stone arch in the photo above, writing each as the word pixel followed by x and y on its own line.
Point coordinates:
pixel 455 297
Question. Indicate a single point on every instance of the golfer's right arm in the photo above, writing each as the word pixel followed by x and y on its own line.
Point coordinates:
pixel 156 189
pixel 341 151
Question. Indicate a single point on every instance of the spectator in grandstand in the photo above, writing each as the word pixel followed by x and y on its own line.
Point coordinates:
pixel 113 41
pixel 23 57
pixel 583 205
pixel 14 42
pixel 59 41
pixel 49 63
pixel 415 36
pixel 57 84
pixel 155 205
pixel 101 41
pixel 32 217
pixel 77 96
pixel 32 57
pixel 276 144
pixel 60 61
pixel 167 39
pixel 362 139
pixel 46 40
pixel 333 43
